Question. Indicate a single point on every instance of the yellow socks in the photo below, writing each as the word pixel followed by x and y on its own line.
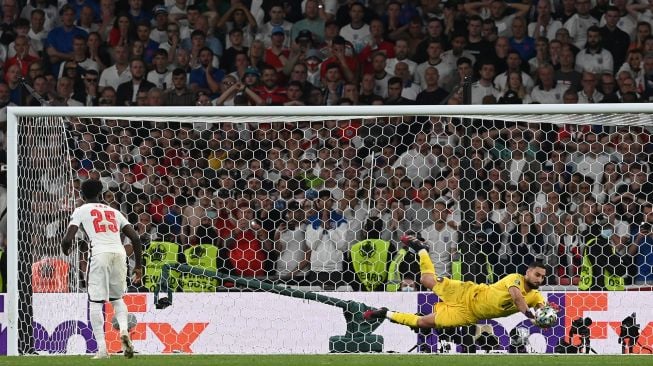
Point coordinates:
pixel 425 264
pixel 403 318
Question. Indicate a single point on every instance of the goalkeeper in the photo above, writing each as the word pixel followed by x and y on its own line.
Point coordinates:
pixel 465 303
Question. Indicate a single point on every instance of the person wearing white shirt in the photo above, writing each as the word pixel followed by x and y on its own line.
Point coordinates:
pixel 37 33
pixel 290 241
pixel 545 25
pixel 410 89
pixel 589 94
pixel 457 51
pixel 277 19
pixel 513 61
pixel 594 58
pixel 446 70
pixel 401 55
pixel 580 22
pixel 484 86
pixel 547 91
pixel 160 76
pixel 381 76
pixel 357 32
pixel 117 73
pixel 441 239
pixel 108 263
pixel 418 161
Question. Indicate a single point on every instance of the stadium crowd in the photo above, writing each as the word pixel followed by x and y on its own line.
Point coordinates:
pixel 288 200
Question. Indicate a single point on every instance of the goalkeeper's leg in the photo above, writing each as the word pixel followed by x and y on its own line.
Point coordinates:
pixel 408 319
pixel 427 271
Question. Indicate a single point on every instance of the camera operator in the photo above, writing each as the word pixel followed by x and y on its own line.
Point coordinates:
pixel 603 266
pixel 644 245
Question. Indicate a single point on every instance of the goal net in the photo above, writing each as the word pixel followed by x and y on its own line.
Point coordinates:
pixel 317 199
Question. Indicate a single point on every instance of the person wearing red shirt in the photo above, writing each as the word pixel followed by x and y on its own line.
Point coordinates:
pixel 271 92
pixel 377 44
pixel 348 65
pixel 277 55
pixel 23 59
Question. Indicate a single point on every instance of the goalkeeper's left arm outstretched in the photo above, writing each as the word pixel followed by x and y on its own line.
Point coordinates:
pixel 465 303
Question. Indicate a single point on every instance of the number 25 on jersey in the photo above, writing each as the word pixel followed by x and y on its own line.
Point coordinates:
pixel 104 221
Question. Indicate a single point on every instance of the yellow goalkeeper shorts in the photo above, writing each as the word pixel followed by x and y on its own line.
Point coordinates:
pixel 453 309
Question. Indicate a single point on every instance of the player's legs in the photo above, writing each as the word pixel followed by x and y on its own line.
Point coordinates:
pixel 427 279
pixel 98 293
pixel 117 287
pixel 97 324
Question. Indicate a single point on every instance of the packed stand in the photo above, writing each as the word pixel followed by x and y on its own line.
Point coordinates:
pixel 289 202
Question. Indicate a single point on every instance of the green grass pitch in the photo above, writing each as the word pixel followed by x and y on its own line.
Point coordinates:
pixel 319 360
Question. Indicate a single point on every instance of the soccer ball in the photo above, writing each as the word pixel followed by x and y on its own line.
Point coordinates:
pixel 131 322
pixel 546 317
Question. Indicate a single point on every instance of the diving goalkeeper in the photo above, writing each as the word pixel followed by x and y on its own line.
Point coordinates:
pixel 465 303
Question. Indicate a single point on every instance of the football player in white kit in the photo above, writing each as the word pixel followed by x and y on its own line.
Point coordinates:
pixel 107 275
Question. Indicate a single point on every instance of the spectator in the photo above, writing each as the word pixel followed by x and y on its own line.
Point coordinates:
pixel 179 95
pixel 270 91
pixel 520 41
pixel 567 75
pixel 59 44
pixel 228 60
pixel 644 241
pixel 123 31
pixel 542 55
pixel 238 17
pixel 357 31
pixel 119 72
pixel 127 91
pixel 410 89
pixel 545 25
pixel 347 64
pixel 325 236
pixel 484 86
pixel 294 256
pixel 314 19
pixel 395 89
pixel 514 64
pixel 277 54
pixel 547 90
pixel 37 32
pixel 277 19
pixel 158 32
pixel 206 77
pixel 22 57
pixel 594 58
pixel 526 243
pixel 589 94
pixel 107 96
pixel 160 75
pixel 434 52
pixel 441 239
pixel 89 97
pixel 614 40
pixel 483 252
pixel 515 91
pixel 578 24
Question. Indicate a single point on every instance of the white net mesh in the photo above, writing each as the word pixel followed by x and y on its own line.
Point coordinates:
pixel 320 203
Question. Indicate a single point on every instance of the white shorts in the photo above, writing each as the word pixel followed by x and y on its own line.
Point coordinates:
pixel 107 276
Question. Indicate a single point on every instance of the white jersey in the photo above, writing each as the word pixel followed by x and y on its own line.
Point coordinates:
pixel 102 225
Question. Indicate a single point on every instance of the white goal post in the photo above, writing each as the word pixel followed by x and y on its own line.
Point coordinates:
pixel 626 116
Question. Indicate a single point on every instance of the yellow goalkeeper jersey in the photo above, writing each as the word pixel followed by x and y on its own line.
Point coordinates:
pixel 494 301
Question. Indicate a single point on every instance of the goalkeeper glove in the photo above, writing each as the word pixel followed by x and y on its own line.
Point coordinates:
pixel 413 244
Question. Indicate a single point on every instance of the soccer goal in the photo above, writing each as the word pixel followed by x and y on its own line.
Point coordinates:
pixel 314 200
